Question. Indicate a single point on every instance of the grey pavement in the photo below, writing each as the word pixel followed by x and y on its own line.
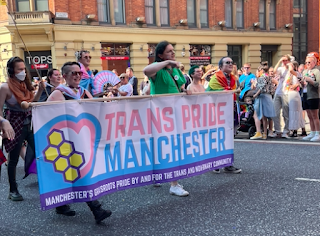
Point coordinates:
pixel 264 200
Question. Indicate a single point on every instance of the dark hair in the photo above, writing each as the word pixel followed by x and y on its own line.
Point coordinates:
pixel 192 69
pixel 65 67
pixel 220 63
pixel 10 69
pixel 295 65
pixel 95 72
pixel 160 48
pixel 264 66
pixel 130 68
pixel 50 73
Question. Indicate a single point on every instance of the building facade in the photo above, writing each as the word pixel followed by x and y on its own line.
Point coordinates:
pixel 122 33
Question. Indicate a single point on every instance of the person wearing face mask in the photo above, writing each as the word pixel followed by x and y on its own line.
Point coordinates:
pixel 17 89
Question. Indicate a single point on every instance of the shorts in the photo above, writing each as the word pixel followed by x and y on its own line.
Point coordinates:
pixel 310 104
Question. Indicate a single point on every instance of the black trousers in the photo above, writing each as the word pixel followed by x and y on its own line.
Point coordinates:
pixel 26 134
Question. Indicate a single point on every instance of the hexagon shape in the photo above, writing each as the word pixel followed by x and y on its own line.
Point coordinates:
pixel 66 148
pixel 61 164
pixel 56 137
pixel 51 154
pixel 71 175
pixel 76 160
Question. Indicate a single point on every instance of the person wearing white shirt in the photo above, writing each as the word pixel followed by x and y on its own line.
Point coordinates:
pixel 125 89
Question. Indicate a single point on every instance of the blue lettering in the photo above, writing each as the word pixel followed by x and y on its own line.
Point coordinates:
pixel 113 161
pixel 196 144
pixel 166 142
pixel 175 148
pixel 186 146
pixel 203 137
pixel 147 152
pixel 212 140
pixel 221 139
pixel 130 161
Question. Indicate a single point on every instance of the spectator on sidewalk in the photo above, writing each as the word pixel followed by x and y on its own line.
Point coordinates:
pixel 246 80
pixel 196 73
pixel 186 76
pixel 132 80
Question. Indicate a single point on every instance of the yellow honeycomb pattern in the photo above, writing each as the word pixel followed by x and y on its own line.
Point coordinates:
pixel 62 154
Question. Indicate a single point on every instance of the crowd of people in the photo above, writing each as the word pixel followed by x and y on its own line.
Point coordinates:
pixel 288 86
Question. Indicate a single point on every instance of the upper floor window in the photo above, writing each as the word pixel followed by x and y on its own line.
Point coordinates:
pixel 239 14
pixel 119 11
pixel 150 11
pixel 272 14
pixel 23 5
pixel 228 10
pixel 164 12
pixel 42 5
pixel 262 14
pixel 103 11
pixel 204 13
pixel 191 13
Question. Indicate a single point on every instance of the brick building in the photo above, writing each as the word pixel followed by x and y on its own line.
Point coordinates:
pixel 121 33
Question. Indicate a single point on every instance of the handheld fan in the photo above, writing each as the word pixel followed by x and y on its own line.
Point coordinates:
pixel 102 78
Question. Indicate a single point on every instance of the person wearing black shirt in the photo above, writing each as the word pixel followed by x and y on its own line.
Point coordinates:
pixel 132 80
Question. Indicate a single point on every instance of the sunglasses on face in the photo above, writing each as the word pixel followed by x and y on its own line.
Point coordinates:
pixel 308 62
pixel 246 67
pixel 229 62
pixel 80 73
pixel 87 57
pixel 122 77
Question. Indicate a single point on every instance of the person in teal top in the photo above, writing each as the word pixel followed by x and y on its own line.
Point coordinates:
pixel 165 77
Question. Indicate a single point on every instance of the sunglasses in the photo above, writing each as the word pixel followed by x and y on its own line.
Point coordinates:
pixel 229 62
pixel 246 67
pixel 80 73
pixel 308 62
pixel 122 77
pixel 87 57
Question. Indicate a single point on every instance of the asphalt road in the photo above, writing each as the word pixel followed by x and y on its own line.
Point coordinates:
pixel 265 199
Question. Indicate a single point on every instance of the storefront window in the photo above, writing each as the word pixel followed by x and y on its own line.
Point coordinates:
pixel 151 52
pixel 115 56
pixel 235 53
pixel 200 55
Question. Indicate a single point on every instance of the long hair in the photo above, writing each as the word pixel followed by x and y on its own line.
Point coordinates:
pixel 11 64
pixel 160 48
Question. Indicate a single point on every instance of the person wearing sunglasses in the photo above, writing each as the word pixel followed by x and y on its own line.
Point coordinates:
pixel 246 80
pixel 72 91
pixel 280 100
pixel 126 88
pixel 224 80
pixel 311 79
pixel 87 76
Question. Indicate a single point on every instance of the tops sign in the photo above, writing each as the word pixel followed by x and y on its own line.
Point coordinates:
pixel 41 60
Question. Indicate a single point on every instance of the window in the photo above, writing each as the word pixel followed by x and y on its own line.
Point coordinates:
pixel 119 11
pixel 41 5
pixel 164 12
pixel 296 3
pixel 191 13
pixel 267 53
pixel 235 52
pixel 204 13
pixel 200 55
pixel 23 5
pixel 262 14
pixel 150 11
pixel 228 9
pixel 103 11
pixel 272 14
pixel 239 13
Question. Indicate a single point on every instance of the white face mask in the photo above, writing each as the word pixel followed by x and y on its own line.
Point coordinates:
pixel 21 76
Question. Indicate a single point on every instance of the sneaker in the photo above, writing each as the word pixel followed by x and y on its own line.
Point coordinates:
pixel 316 138
pixel 15 196
pixel 157 185
pixel 217 171
pixel 284 135
pixel 178 191
pixel 272 135
pixel 303 134
pixel 309 137
pixel 264 136
pixel 232 170
pixel 65 210
pixel 258 135
pixel 294 134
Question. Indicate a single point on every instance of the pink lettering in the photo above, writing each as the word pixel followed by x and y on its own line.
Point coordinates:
pixel 204 115
pixel 156 122
pixel 120 127
pixel 220 113
pixel 212 115
pixel 109 117
pixel 135 116
pixel 168 110
pixel 185 115
pixel 195 117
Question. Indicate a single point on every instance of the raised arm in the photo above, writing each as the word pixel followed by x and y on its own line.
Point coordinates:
pixel 152 69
